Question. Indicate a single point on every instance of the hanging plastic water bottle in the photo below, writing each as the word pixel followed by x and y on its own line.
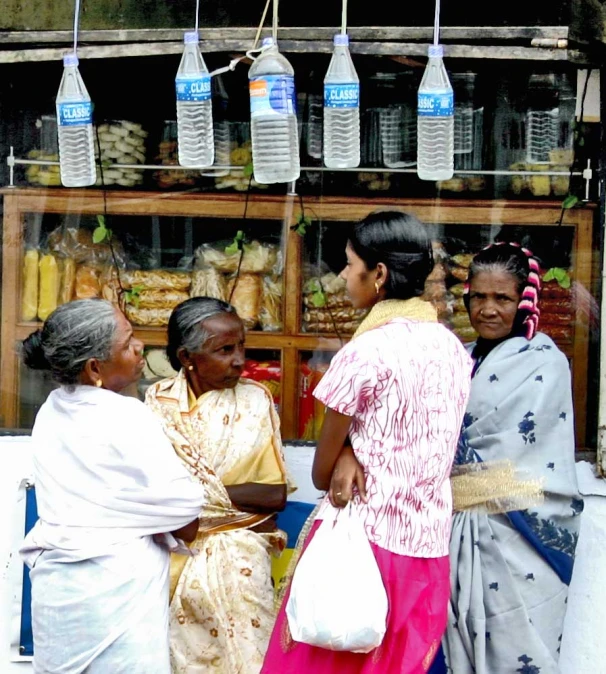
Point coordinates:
pixel 194 107
pixel 341 109
pixel 273 118
pixel 75 128
pixel 435 121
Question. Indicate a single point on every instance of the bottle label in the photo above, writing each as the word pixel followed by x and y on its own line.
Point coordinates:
pixel 193 89
pixel 75 114
pixel 272 95
pixel 342 95
pixel 435 104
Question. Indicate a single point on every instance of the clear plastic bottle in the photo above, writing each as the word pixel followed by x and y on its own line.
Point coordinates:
pixel 341 109
pixel 435 120
pixel 463 86
pixel 315 113
pixel 194 107
pixel 468 125
pixel 395 96
pixel 549 114
pixel 75 128
pixel 221 129
pixel 273 118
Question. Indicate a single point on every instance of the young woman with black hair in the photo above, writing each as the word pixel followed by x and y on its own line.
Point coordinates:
pixel 398 391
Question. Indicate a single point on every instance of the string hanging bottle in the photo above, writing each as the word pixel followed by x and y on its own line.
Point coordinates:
pixel 435 120
pixel 194 107
pixel 75 128
pixel 341 109
pixel 273 118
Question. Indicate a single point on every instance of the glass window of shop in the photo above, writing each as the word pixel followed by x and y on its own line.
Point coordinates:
pixel 276 251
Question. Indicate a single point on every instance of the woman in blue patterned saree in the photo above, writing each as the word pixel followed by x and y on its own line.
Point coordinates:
pixel 512 556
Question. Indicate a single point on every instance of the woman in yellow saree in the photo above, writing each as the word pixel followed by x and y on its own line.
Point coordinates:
pixel 226 432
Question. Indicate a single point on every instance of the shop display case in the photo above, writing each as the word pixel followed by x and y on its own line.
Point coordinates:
pixel 167 246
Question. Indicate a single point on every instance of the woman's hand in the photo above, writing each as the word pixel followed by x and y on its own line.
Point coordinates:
pixel 347 473
pixel 253 497
pixel 187 533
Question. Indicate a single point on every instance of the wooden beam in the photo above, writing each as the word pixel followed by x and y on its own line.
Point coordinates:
pixel 11 306
pixel 97 52
pixel 400 49
pixel 388 33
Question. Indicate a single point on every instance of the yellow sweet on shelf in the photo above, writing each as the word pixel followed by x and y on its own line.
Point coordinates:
pixel 29 297
pixel 49 286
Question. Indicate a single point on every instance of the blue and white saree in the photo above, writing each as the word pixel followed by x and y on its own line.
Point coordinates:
pixel 510 572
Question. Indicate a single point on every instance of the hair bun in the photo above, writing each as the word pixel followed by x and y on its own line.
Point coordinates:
pixel 33 352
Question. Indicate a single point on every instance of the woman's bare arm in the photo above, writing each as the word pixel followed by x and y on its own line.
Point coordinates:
pixel 252 497
pixel 332 438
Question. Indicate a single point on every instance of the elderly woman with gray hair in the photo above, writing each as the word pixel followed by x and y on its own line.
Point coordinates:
pixel 226 432
pixel 111 496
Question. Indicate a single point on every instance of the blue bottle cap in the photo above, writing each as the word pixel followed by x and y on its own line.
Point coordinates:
pixel 268 42
pixel 70 60
pixel 341 40
pixel 435 51
pixel 191 37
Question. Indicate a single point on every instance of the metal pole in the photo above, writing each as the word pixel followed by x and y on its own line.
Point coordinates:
pixel 601 437
pixel 12 160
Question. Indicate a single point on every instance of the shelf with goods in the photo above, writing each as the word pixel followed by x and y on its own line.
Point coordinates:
pixel 220 214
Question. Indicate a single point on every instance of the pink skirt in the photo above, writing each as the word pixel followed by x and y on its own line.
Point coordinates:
pixel 418 590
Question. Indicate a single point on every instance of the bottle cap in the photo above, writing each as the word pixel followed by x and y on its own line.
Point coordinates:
pixel 191 37
pixel 435 51
pixel 268 42
pixel 70 60
pixel 341 40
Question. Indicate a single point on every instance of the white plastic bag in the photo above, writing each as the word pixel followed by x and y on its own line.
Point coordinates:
pixel 337 597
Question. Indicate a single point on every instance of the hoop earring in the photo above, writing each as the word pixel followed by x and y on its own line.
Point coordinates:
pixel 99 383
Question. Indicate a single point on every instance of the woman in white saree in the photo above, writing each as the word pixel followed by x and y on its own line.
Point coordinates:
pixel 110 495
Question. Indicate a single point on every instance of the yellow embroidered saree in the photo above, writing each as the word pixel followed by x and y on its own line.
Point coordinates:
pixel 222 605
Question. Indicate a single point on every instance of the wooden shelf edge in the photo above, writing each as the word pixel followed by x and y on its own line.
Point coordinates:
pixel 281 208
pixel 80 195
pixel 254 340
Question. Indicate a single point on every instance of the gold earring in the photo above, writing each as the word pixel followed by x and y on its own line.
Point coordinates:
pixel 99 383
pixel 190 368
pixel 377 287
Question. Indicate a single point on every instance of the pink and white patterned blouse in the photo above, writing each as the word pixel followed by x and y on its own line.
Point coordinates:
pixel 406 385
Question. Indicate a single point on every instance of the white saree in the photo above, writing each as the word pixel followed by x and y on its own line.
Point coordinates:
pixel 108 487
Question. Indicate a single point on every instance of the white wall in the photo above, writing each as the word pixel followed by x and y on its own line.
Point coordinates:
pixel 584 642
pixel 14 466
